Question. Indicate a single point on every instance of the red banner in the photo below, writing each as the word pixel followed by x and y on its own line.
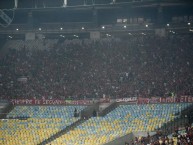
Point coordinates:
pixel 140 100
pixel 49 102
pixel 182 99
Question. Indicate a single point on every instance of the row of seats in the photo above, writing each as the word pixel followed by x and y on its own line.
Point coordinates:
pixel 43 111
pixel 121 121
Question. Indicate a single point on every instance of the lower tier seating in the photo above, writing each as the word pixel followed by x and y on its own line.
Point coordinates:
pixel 121 121
pixel 43 122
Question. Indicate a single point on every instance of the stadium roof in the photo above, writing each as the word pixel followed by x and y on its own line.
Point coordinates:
pixel 39 4
pixel 54 17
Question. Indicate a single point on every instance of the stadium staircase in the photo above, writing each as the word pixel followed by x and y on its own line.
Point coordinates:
pixel 108 109
pixel 181 120
pixel 187 111
pixel 6 110
pixel 3 48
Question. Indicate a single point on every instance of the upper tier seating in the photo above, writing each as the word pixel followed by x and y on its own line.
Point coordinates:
pixel 138 66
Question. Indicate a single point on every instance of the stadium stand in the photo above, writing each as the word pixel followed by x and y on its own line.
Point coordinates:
pixel 183 136
pixel 96 72
pixel 141 66
pixel 121 121
pixel 33 124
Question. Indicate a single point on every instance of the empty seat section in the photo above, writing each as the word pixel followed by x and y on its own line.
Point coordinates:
pixel 43 122
pixel 121 121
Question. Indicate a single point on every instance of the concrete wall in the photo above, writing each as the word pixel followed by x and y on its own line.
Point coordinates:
pixel 121 141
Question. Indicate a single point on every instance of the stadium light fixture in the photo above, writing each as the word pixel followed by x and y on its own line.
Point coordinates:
pixel 61 28
pixel 40 29
pixel 125 26
pixel 108 35
pixel 146 26
pixel 189 24
pixel 17 29
pixel 103 27
pixel 172 31
pixel 76 36
pixel 82 28
pixel 62 36
pixel 168 25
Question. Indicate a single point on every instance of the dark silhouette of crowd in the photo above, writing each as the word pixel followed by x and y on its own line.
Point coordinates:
pixel 185 137
pixel 140 66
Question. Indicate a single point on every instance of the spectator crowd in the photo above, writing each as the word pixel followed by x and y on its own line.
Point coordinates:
pixel 182 137
pixel 137 66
